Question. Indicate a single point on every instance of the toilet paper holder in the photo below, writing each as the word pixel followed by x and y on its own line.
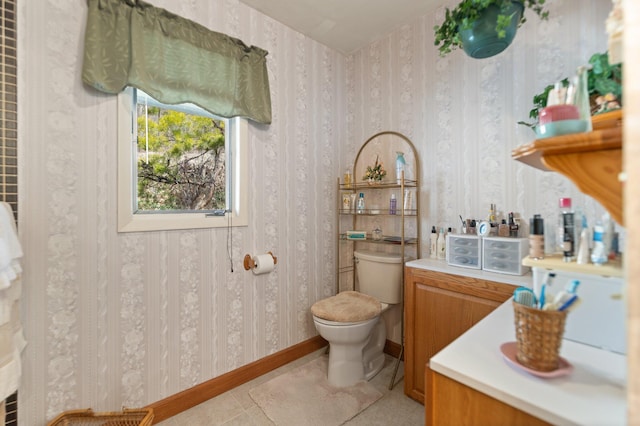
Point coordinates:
pixel 249 263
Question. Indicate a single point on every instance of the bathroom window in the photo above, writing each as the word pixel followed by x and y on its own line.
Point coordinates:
pixel 180 167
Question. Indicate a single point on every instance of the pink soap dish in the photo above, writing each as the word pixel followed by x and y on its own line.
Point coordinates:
pixel 509 350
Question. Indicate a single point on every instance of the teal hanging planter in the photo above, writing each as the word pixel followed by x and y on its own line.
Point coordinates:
pixel 482 40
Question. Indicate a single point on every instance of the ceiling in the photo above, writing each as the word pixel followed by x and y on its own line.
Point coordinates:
pixel 344 25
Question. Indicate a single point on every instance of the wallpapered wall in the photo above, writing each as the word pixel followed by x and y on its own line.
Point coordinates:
pixel 129 319
pixel 461 113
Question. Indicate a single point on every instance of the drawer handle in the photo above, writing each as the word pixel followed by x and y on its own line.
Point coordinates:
pixel 463 242
pixel 462 260
pixel 459 250
pixel 500 256
pixel 499 265
pixel 499 245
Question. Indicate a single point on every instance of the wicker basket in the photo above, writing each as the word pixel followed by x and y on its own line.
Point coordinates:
pixel 538 336
pixel 127 417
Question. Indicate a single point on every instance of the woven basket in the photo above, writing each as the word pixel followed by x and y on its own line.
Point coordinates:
pixel 538 336
pixel 127 417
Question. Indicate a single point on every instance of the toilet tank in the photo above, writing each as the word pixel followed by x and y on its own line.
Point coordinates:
pixel 380 275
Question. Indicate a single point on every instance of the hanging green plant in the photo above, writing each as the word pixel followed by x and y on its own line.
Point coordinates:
pixel 604 85
pixel 509 15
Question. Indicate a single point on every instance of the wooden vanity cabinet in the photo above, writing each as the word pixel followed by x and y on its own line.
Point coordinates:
pixel 439 307
pixel 452 403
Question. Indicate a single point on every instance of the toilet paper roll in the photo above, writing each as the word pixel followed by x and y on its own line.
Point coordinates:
pixel 264 264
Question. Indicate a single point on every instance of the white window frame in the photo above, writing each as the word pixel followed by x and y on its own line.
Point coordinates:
pixel 236 191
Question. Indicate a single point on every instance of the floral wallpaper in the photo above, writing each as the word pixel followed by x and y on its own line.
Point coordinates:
pixel 118 320
pixel 462 113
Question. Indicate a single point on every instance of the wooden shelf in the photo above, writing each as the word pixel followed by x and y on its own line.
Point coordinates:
pixel 555 262
pixel 592 160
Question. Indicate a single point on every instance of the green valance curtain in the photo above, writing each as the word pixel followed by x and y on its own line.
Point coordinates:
pixel 174 60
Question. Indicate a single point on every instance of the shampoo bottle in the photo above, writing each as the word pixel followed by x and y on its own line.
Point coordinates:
pixel 392 204
pixel 433 246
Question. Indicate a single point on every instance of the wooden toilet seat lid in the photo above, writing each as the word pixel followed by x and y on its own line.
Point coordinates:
pixel 347 306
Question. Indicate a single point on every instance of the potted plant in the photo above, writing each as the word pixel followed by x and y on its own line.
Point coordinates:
pixel 604 85
pixel 483 28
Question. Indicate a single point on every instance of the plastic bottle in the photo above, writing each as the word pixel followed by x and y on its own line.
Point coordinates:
pixel 536 237
pixel 433 246
pixel 513 226
pixel 568 239
pixel 361 203
pixel 400 163
pixel 598 255
pixel 347 177
pixel 441 245
pixel 492 214
pixel 564 206
pixel 407 200
pixel 392 204
pixel 583 248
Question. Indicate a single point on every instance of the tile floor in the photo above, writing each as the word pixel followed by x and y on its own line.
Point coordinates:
pixel 236 408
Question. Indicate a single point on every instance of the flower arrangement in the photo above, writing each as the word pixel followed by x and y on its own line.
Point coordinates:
pixel 375 173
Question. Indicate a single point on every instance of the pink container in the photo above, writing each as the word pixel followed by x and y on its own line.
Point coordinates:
pixel 558 113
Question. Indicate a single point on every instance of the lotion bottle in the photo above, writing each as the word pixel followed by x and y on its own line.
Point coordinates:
pixel 441 245
pixel 433 246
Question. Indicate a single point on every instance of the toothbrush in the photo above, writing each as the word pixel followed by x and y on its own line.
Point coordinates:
pixel 569 303
pixel 572 287
pixel 536 288
pixel 542 298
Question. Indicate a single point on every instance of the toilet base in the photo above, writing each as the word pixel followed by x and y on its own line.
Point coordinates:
pixel 347 367
pixel 373 354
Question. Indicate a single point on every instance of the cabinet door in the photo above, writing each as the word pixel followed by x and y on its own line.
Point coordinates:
pixel 446 396
pixel 439 308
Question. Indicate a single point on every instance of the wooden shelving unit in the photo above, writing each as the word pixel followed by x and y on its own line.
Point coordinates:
pixel 592 160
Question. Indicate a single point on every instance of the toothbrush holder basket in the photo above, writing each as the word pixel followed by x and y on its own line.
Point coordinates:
pixel 538 337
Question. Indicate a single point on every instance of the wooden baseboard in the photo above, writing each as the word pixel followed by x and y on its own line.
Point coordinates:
pixel 182 401
pixel 394 349
pixel 198 394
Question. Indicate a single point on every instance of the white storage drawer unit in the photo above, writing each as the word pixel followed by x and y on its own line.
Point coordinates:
pixel 504 255
pixel 464 251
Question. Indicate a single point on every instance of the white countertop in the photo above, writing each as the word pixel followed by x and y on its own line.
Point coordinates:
pixel 594 393
pixel 442 266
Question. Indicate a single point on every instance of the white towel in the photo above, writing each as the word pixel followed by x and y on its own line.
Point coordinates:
pixel 11 336
pixel 10 249
pixel 9 231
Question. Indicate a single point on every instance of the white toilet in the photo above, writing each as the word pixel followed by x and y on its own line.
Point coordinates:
pixel 350 321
